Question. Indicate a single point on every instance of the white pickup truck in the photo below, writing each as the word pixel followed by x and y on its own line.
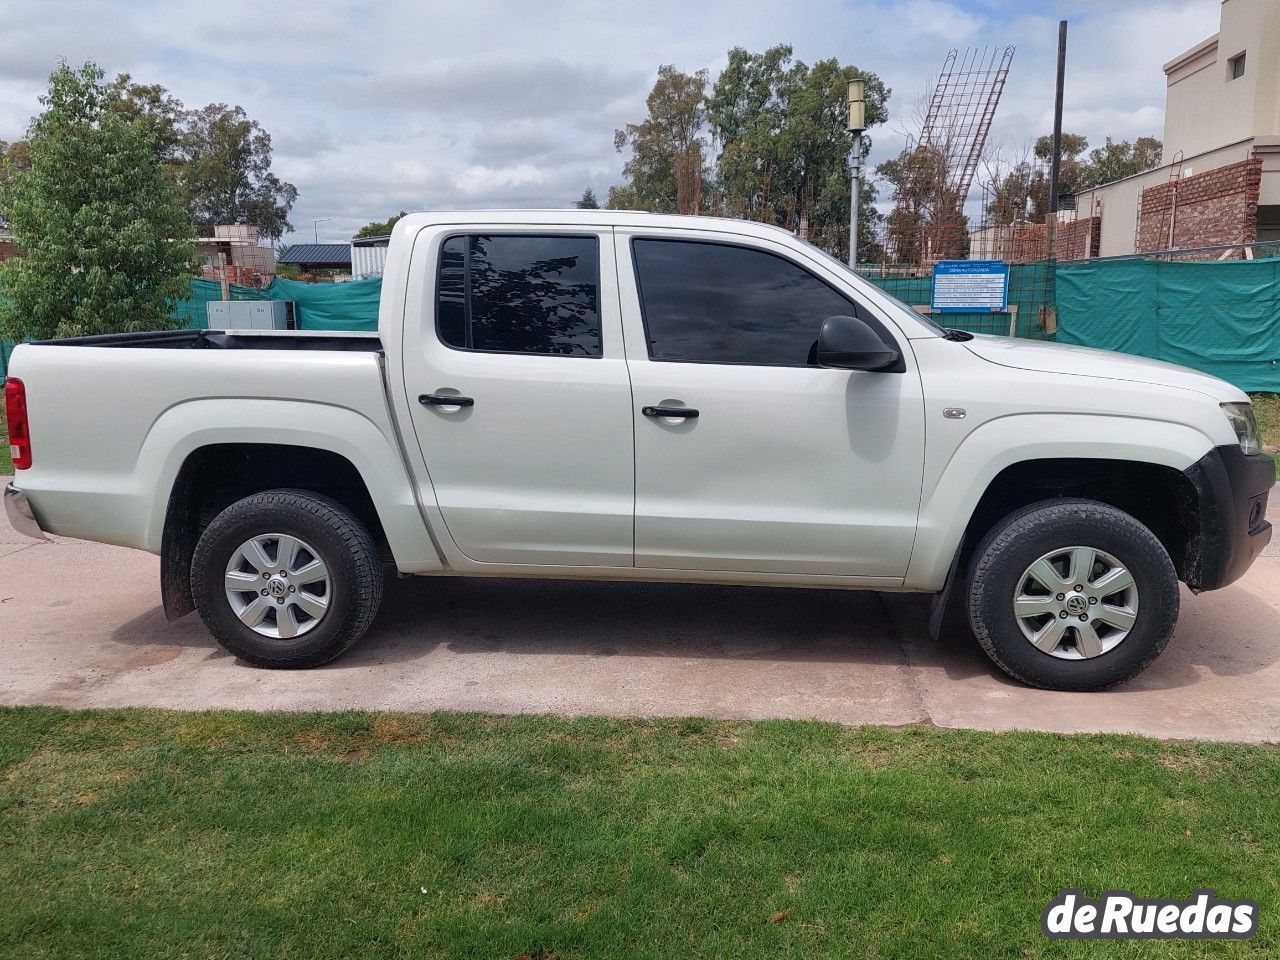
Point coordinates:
pixel 609 395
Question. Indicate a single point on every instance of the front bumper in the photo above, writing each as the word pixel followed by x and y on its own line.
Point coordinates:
pixel 18 509
pixel 1230 526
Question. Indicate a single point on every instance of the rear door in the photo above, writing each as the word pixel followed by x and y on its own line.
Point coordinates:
pixel 520 326
pixel 787 468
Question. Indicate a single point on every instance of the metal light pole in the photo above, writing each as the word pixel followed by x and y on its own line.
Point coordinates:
pixel 857 123
pixel 1055 166
pixel 316 226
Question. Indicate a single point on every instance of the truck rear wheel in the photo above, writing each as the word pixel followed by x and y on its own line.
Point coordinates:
pixel 1072 595
pixel 286 579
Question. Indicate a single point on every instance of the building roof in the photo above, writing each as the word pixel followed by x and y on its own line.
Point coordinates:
pixel 318 254
pixel 1186 56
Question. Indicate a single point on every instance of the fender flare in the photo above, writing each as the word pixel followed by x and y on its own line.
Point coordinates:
pixel 952 495
pixel 188 427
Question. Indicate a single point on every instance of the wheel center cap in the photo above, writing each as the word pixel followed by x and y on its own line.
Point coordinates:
pixel 277 587
pixel 1077 605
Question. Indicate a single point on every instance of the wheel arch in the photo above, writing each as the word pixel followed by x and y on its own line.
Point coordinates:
pixel 1160 497
pixel 1000 453
pixel 197 449
pixel 214 476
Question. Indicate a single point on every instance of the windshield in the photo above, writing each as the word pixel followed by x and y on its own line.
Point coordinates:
pixel 893 301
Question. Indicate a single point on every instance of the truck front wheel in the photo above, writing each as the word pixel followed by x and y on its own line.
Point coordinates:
pixel 1072 595
pixel 286 579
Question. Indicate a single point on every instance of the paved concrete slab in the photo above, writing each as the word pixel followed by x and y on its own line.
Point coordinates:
pixel 81 626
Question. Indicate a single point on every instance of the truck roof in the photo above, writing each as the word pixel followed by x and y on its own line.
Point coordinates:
pixel 914 325
pixel 609 218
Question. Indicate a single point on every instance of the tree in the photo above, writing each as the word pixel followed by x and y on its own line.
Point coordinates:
pixel 14 157
pixel 218 157
pixel 1022 190
pixel 106 246
pixel 226 173
pixel 587 201
pixel 17 154
pixel 162 112
pixel 666 172
pixel 784 145
pixel 380 228
pixel 927 222
pixel 1119 159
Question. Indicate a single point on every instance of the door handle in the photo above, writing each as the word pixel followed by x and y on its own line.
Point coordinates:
pixel 684 413
pixel 444 400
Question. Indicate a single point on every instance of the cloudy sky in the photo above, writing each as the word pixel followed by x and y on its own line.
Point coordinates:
pixel 378 107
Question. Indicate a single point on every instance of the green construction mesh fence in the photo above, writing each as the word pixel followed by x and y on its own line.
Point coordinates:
pixel 1030 296
pixel 1221 317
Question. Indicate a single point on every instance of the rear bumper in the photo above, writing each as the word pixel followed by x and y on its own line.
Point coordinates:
pixel 1231 525
pixel 18 509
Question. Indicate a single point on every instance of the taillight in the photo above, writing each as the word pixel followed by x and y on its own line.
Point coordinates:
pixel 15 408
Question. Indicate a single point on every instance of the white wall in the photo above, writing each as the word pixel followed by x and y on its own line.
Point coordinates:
pixel 1205 107
pixel 367 261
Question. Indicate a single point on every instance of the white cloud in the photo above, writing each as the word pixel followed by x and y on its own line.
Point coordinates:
pixel 380 106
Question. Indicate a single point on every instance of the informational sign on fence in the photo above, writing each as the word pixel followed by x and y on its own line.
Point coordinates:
pixel 970 286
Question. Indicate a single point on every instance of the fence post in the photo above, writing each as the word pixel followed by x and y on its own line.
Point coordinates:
pixel 222 275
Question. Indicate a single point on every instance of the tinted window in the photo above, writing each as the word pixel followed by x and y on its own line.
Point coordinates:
pixel 519 294
pixel 714 303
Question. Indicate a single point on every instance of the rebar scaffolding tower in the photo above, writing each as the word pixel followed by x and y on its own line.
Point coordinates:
pixel 963 106
pixel 928 221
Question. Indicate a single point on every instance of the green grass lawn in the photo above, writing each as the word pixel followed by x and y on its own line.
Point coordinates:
pixel 155 834
pixel 1266 406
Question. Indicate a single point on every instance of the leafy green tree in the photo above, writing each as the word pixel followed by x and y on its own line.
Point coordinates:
pixel 219 158
pixel 587 201
pixel 16 154
pixel 226 172
pixel 1116 160
pixel 158 109
pixel 666 172
pixel 106 246
pixel 14 157
pixel 380 228
pixel 784 145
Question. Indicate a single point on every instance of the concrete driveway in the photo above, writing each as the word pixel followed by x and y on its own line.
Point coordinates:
pixel 81 626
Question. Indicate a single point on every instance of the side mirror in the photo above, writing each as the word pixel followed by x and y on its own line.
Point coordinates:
pixel 851 344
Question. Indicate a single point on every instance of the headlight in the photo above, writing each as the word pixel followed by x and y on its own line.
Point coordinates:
pixel 1245 426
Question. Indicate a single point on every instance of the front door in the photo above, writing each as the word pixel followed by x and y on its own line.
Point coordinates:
pixel 520 396
pixel 787 468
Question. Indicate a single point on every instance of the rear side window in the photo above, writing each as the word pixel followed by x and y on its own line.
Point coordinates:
pixel 520 294
pixel 717 303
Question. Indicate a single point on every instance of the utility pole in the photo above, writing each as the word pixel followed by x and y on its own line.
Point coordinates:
pixel 857 124
pixel 1055 168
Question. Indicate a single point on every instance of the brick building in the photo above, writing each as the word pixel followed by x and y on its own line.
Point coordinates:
pixel 1219 182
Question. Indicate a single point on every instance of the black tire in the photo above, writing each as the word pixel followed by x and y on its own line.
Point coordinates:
pixel 347 550
pixel 1026 535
